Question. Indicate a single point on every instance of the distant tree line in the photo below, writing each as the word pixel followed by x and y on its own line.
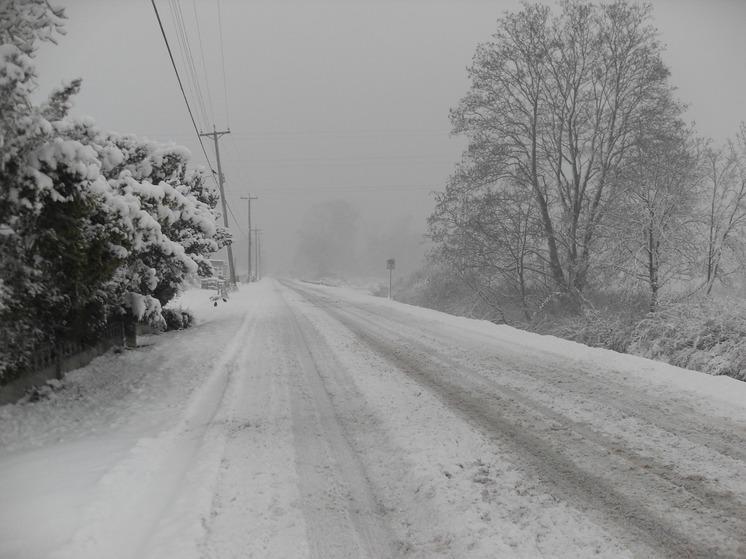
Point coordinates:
pixel 581 173
pixel 93 225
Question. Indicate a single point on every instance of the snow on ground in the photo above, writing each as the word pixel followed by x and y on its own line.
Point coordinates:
pixel 653 451
pixel 437 463
pixel 723 389
pixel 78 455
pixel 303 421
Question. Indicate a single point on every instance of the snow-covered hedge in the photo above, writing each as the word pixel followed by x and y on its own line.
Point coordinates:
pixel 177 318
pixel 705 335
pixel 594 328
pixel 93 224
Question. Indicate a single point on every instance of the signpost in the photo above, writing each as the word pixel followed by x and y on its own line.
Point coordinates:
pixel 390 265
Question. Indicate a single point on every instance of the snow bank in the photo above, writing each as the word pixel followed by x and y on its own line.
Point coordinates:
pixel 74 459
pixel 618 365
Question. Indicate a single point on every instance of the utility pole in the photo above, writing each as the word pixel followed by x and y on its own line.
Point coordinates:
pixel 258 252
pixel 248 199
pixel 215 135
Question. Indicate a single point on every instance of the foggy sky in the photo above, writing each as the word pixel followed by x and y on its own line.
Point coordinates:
pixel 343 99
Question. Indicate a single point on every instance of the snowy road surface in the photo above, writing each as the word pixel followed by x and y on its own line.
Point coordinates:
pixel 306 421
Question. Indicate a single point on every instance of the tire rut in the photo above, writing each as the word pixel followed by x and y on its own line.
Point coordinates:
pixel 348 518
pixel 720 435
pixel 504 413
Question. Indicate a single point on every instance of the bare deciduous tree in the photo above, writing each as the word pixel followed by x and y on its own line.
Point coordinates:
pixel 489 235
pixel 725 212
pixel 555 108
pixel 654 230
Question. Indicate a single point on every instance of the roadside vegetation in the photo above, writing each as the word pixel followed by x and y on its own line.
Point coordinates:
pixel 585 205
pixel 705 333
pixel 94 226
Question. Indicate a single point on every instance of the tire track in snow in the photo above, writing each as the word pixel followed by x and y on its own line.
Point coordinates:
pixel 659 415
pixel 254 511
pixel 342 515
pixel 657 429
pixel 507 414
pixel 713 498
pixel 124 523
pixel 721 435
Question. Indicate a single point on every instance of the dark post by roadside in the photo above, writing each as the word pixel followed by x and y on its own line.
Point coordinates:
pixel 390 265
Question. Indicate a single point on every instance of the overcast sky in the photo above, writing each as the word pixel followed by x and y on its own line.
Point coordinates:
pixel 339 99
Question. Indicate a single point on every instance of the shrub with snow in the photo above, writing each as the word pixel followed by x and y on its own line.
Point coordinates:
pixel 177 318
pixel 92 224
pixel 705 335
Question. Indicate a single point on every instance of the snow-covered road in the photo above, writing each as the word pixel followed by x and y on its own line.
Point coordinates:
pixel 306 421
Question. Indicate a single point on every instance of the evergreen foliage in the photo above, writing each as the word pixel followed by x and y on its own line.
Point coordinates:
pixel 93 225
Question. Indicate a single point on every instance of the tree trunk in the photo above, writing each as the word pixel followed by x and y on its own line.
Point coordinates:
pixel 652 269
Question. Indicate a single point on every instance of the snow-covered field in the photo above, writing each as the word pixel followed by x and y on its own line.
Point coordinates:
pixel 306 421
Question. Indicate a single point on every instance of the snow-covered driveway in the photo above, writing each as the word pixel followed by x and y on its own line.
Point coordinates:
pixel 304 421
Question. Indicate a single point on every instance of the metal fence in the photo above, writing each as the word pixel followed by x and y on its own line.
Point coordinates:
pixel 54 360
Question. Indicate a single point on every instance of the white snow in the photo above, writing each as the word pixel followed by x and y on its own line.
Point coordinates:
pixel 100 449
pixel 714 392
pixel 272 429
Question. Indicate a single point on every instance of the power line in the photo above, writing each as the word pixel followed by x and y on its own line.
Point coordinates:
pixel 280 190
pixel 425 158
pixel 361 134
pixel 239 168
pixel 238 225
pixel 352 132
pixel 181 86
pixel 182 54
pixel 192 64
pixel 222 58
pixel 202 56
pixel 183 37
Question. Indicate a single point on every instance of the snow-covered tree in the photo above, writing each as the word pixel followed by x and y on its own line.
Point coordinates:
pixel 556 102
pixel 23 195
pixel 92 224
pixel 651 235
pixel 490 237
pixel 724 210
pixel 179 200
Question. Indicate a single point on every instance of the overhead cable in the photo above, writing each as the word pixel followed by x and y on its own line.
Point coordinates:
pixel 181 86
pixel 222 59
pixel 183 37
pixel 204 64
pixel 230 211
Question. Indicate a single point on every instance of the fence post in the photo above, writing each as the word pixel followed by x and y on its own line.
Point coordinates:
pixel 57 361
pixel 130 332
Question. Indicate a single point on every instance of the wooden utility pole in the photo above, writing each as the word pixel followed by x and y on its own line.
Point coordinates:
pixel 258 251
pixel 248 199
pixel 215 135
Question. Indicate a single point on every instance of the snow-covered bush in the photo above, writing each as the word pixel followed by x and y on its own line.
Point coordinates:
pixel 437 287
pixel 592 327
pixel 702 334
pixel 92 224
pixel 705 334
pixel 177 318
pixel 24 193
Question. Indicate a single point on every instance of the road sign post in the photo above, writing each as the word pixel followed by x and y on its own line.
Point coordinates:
pixel 390 265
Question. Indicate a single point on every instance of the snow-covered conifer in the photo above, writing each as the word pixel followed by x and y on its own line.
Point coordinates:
pixel 92 224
